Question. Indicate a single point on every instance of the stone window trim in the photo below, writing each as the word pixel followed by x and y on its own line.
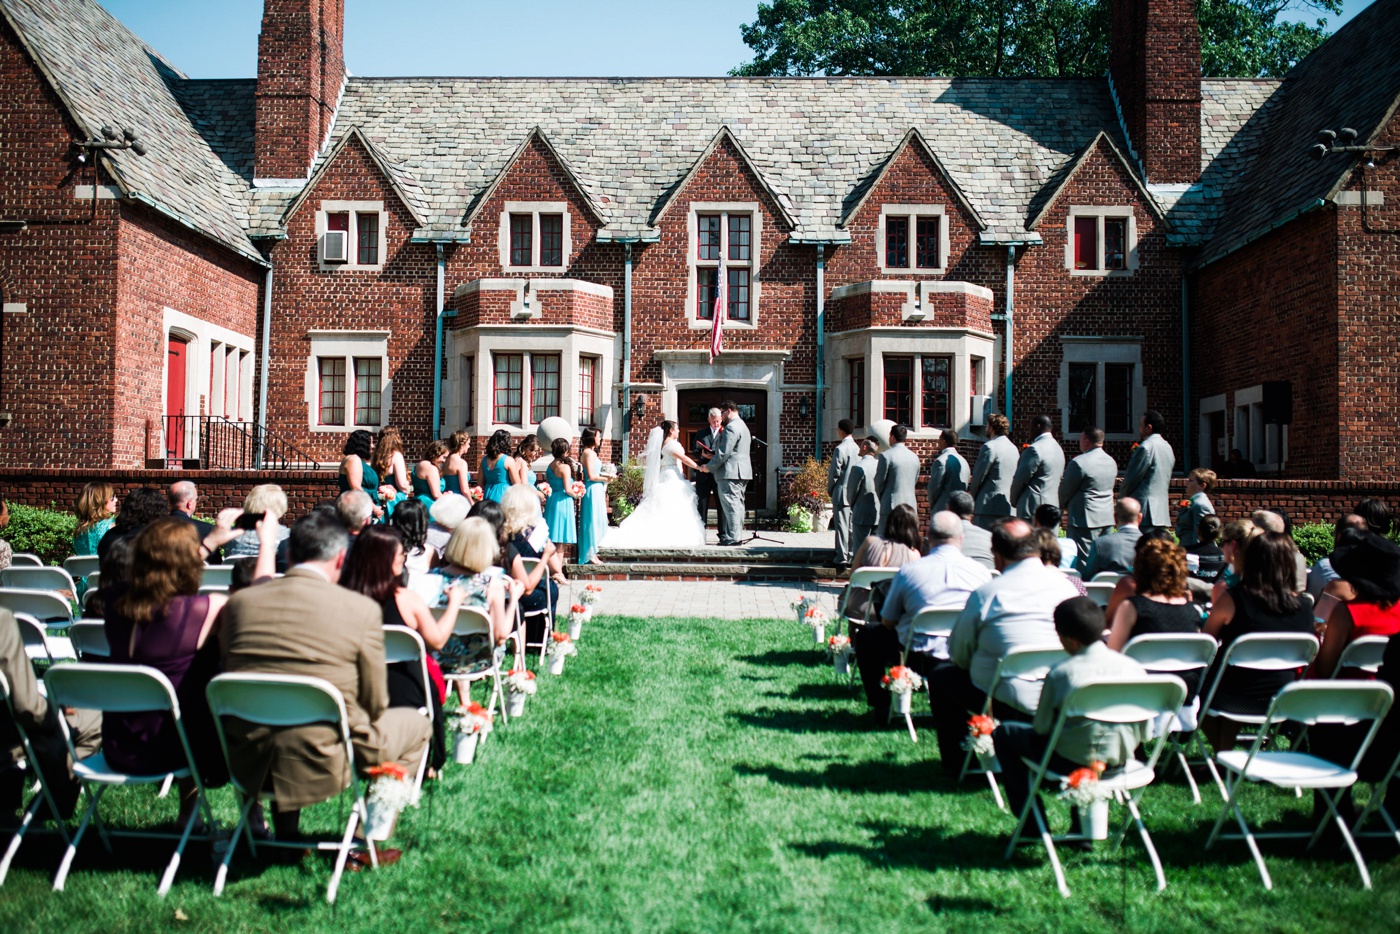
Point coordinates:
pixel 755 210
pixel 1129 246
pixel 1263 445
pixel 353 247
pixel 350 345
pixel 534 209
pixel 1101 350
pixel 912 211
pixel 203 338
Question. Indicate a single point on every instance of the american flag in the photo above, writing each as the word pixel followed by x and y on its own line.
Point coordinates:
pixel 717 330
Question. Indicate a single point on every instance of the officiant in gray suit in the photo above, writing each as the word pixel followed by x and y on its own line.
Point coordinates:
pixel 897 476
pixel 1150 472
pixel 733 470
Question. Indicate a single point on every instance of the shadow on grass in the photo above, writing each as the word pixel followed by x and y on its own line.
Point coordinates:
pixel 783 658
pixel 872 777
pixel 818 692
pixel 930 848
pixel 809 721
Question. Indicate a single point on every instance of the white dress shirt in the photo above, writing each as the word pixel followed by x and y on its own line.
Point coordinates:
pixel 945 577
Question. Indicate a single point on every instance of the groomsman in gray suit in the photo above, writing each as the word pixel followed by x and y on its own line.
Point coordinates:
pixel 948 473
pixel 1038 472
pixel 1150 472
pixel 846 452
pixel 860 490
pixel 733 471
pixel 992 474
pixel 1115 552
pixel 1086 492
pixel 897 478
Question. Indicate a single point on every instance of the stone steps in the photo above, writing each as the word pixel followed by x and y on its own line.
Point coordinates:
pixel 759 561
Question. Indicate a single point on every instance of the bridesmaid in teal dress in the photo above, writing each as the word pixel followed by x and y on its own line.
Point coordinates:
pixel 456 474
pixel 355 470
pixel 427 476
pixel 559 509
pixel 495 466
pixel 390 465
pixel 593 518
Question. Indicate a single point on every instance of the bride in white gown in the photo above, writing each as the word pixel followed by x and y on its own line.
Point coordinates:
pixel 668 515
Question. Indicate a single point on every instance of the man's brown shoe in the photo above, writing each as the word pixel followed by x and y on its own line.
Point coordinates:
pixel 359 859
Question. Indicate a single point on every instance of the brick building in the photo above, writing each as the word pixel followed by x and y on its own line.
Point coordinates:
pixel 307 252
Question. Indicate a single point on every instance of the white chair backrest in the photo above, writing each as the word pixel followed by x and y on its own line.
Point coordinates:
pixel 213 588
pixel 471 622
pixel 402 644
pixel 1310 702
pixel 1170 651
pixel 1364 653
pixel 1107 577
pixel 277 700
pixel 116 688
pixel 37 578
pixel 1127 700
pixel 217 575
pixel 26 559
pixel 1271 651
pixel 935 621
pixel 91 599
pixel 1100 591
pixel 44 605
pixel 866 577
pixel 31 634
pixel 1029 663
pixel 94 581
pixel 89 637
pixel 81 565
pixel 528 563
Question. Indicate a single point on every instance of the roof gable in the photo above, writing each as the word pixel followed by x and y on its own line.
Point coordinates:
pixel 862 191
pixel 1043 202
pixel 780 202
pixel 536 135
pixel 396 176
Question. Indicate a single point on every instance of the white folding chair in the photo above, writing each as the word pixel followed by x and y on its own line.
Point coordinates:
pixel 216 575
pixel 863 578
pixel 92 599
pixel 26 577
pixel 1100 591
pixel 1363 654
pixel 82 565
pixel 474 622
pixel 547 611
pixel 43 795
pixel 213 588
pixel 1257 651
pixel 89 638
pixel 1026 663
pixel 122 689
pixel 36 646
pixel 1175 654
pixel 1374 806
pixel 1308 703
pixel 285 701
pixel 44 605
pixel 26 559
pixel 1107 577
pixel 928 622
pixel 402 644
pixel 1117 701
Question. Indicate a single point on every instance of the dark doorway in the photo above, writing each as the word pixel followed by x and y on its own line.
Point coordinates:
pixel 693 407
pixel 1216 455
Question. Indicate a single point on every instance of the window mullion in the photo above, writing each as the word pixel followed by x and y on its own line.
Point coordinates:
pixel 1102 247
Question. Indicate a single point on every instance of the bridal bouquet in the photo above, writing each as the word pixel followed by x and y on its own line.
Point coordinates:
pixel 1081 787
pixel 902 680
pixel 521 681
pixel 589 595
pixel 979 737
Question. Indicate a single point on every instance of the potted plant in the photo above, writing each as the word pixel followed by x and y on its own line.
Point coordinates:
pixel 390 791
pixel 626 491
pixel 520 684
pixel 1082 789
pixel 802 604
pixel 807 502
pixel 468 724
pixel 901 682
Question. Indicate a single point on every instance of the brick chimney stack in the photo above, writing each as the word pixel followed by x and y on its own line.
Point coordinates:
pixel 301 69
pixel 1155 62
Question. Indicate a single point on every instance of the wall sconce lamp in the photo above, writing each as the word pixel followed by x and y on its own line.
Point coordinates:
pixel 802 408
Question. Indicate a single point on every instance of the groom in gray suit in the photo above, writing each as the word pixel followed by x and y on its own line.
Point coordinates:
pixel 733 471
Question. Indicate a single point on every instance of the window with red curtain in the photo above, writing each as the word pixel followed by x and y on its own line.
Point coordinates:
pixel 899 389
pixel 587 377
pixel 1086 243
pixel 507 389
pixel 544 386
pixel 332 390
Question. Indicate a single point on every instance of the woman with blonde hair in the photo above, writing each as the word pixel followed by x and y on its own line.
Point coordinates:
pixel 264 499
pixel 1197 504
pixel 471 554
pixel 457 475
pixel 96 510
pixel 526 537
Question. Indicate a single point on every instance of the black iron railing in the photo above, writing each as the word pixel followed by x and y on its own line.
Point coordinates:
pixel 213 442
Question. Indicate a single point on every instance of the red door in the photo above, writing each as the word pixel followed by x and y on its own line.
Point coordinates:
pixel 176 358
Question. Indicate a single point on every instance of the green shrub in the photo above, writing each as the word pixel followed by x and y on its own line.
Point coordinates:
pixel 1314 540
pixel 626 491
pixel 47 533
pixel 799 519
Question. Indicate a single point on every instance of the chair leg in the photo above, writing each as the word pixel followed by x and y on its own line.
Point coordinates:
pixel 169 878
pixel 222 875
pixel 63 867
pixel 1346 835
pixel 1147 842
pixel 343 851
pixel 1048 839
pixel 909 723
pixel 1231 804
pixel 1186 770
pixel 996 790
pixel 19 836
pixel 165 786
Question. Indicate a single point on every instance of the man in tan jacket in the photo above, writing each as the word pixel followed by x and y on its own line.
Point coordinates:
pixel 304 624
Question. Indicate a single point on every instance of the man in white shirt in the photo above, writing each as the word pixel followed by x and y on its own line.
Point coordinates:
pixel 945 577
pixel 1012 611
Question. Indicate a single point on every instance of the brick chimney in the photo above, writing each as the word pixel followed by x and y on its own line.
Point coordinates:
pixel 301 68
pixel 1155 62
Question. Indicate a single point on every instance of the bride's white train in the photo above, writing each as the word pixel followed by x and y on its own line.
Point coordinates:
pixel 668 515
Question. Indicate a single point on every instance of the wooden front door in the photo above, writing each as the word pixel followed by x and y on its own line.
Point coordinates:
pixel 693 410
pixel 176 358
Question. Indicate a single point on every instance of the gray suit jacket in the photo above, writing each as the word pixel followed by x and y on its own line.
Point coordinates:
pixel 1112 552
pixel 977 544
pixel 731 460
pixel 1147 477
pixel 860 491
pixel 991 477
pixel 1038 473
pixel 1190 517
pixel 897 480
pixel 1086 489
pixel 948 473
pixel 841 459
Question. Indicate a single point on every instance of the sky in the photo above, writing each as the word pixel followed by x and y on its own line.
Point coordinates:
pixel 569 38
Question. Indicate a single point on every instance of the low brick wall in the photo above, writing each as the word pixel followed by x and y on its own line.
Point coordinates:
pixel 218 489
pixel 1303 500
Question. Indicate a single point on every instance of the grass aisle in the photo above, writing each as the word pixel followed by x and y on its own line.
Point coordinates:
pixel 700 776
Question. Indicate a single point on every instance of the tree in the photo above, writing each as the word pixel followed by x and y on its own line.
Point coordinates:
pixel 1007 38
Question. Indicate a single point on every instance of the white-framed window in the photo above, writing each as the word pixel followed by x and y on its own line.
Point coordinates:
pixel 918 389
pixel 347 380
pixel 1101 241
pixel 912 238
pixel 588 392
pixel 362 222
pixel 1264 445
pixel 226 385
pixel 535 236
pixel 723 239
pixel 1101 386
pixel 525 384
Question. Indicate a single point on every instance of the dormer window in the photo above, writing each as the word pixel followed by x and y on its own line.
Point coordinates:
pixel 912 238
pixel 722 253
pixel 351 234
pixel 1101 241
pixel 535 236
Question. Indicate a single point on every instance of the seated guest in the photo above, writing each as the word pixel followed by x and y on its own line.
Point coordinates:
pixel 943 578
pixel 1009 612
pixel 1079 623
pixel 1321 574
pixel 1371 565
pixel 40 722
pixel 447 513
pixel 1047 516
pixel 898 547
pixel 355 510
pixel 411 521
pixel 492 512
pixel 526 537
pixel 183 496
pixel 263 499
pixel 140 508
pixel 96 510
pixel 1114 552
pixel 1274 520
pixel 303 624
pixel 472 553
pixel 1196 506
pixel 1160 602
pixel 1265 600
pixel 1234 539
pixel 1052 556
pixel 1377 515
pixel 977 541
pixel 1210 558
pixel 1126 585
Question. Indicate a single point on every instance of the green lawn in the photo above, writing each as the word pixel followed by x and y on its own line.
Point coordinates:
pixel 699 776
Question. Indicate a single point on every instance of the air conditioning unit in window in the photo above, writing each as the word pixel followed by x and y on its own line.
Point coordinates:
pixel 981 408
pixel 335 246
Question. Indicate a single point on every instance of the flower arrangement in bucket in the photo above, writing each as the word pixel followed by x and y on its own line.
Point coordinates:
pixel 560 648
pixel 979 740
pixel 1083 789
pixel 840 649
pixel 804 498
pixel 390 791
pixel 589 595
pixel 802 604
pixel 816 618
pixel 578 615
pixel 469 723
pixel 520 684
pixel 902 681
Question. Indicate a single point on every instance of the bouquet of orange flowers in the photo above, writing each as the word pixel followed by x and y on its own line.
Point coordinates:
pixel 979 736
pixel 577 489
pixel 390 787
pixel 478 493
pixel 902 680
pixel 521 681
pixel 815 616
pixel 589 594
pixel 561 645
pixel 472 718
pixel 839 646
pixel 1081 787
